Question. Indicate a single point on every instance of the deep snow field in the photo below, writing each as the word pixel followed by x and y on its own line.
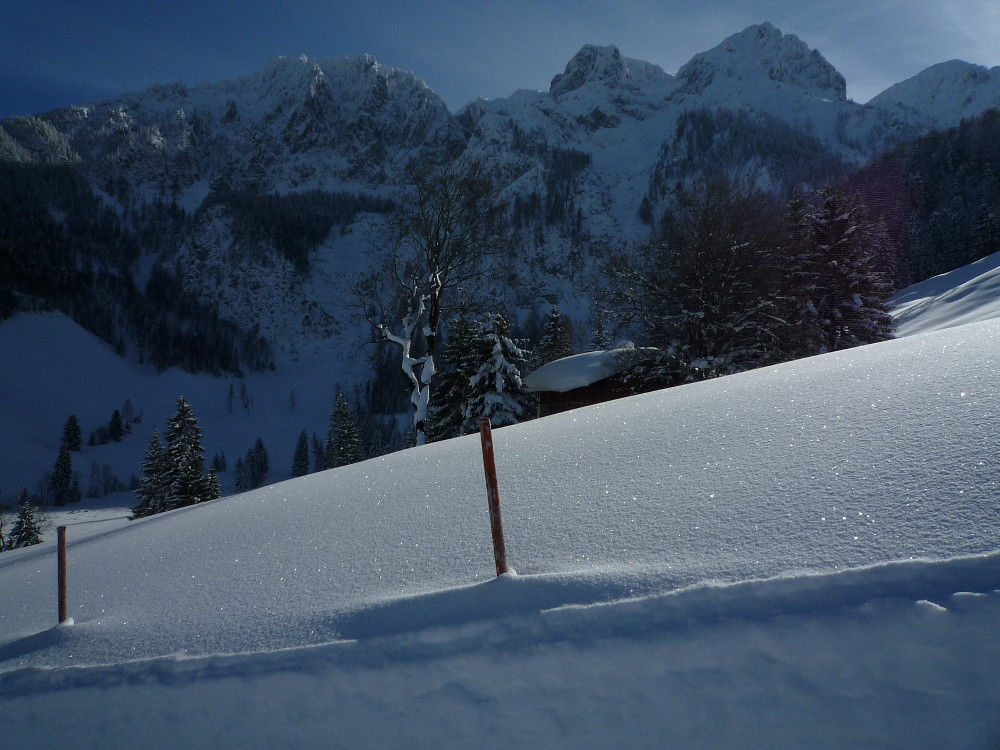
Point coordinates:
pixel 801 556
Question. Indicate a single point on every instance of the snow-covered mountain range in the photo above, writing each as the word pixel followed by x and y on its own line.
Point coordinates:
pixel 586 164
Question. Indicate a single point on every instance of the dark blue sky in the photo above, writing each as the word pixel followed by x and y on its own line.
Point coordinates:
pixel 64 52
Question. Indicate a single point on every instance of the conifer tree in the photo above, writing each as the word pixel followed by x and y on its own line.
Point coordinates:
pixel 185 456
pixel 300 460
pixel 496 390
pixel 27 529
pixel 557 337
pixel 128 414
pixel 600 337
pixel 460 359
pixel 157 478
pixel 262 460
pixel 251 470
pixel 116 428
pixel 343 444
pixel 850 291
pixel 243 483
pixel 798 302
pixel 318 453
pixel 213 489
pixel 94 486
pixel 72 436
pixel 61 484
pixel 219 462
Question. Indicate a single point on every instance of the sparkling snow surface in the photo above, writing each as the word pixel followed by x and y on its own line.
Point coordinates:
pixel 800 556
pixel 668 509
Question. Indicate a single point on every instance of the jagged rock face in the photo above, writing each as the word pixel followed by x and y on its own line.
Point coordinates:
pixel 297 122
pixel 763 52
pixel 592 64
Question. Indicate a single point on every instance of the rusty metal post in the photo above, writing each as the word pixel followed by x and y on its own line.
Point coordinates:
pixel 63 597
pixel 493 496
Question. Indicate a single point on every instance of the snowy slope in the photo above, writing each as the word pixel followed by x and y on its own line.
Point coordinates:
pixel 51 368
pixel 943 94
pixel 728 560
pixel 967 294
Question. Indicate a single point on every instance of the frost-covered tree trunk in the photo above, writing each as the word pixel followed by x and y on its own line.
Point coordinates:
pixel 447 230
pixel 418 370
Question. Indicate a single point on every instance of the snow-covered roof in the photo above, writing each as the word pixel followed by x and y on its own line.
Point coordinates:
pixel 577 371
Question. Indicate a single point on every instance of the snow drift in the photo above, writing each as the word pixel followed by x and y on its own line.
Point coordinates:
pixel 800 555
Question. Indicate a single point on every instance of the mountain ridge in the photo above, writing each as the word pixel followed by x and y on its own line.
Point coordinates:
pixel 587 165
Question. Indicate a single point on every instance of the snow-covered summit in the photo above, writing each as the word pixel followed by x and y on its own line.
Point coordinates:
pixel 945 92
pixel 592 63
pixel 607 68
pixel 763 52
pixel 353 116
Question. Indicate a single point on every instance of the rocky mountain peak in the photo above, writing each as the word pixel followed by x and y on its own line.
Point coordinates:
pixel 945 92
pixel 592 64
pixel 763 52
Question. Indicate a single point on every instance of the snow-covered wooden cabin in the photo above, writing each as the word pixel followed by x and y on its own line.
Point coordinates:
pixel 580 380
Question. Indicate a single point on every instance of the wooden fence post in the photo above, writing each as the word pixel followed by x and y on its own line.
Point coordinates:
pixel 63 597
pixel 493 496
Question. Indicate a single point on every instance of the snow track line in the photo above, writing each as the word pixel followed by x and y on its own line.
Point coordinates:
pixel 447 632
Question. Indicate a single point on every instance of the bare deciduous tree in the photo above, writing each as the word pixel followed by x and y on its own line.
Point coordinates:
pixel 446 232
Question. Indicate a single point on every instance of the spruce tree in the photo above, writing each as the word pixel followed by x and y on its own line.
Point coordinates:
pixel 343 444
pixel 72 436
pixel 318 453
pixel 801 292
pixel 557 337
pixel 27 529
pixel 260 463
pixel 496 390
pixel 300 460
pixel 219 462
pixel 61 483
pixel 460 359
pixel 157 479
pixel 600 336
pixel 850 291
pixel 116 428
pixel 185 456
pixel 243 483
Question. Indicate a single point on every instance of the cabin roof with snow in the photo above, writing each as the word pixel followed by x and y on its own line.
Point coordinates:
pixel 577 371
